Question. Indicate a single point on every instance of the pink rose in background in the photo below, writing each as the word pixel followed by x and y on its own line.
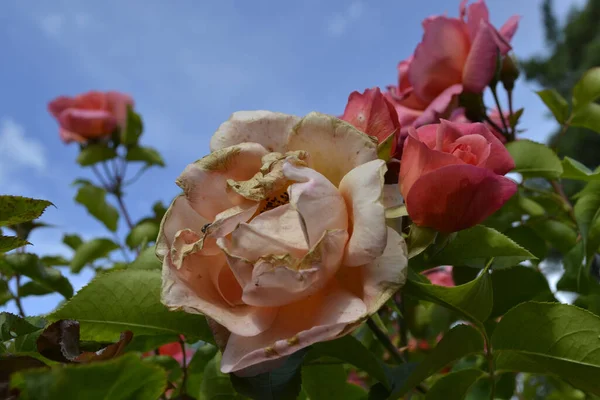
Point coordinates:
pixel 280 237
pixel 451 175
pixel 374 115
pixel 90 115
pixel 455 55
pixel 441 276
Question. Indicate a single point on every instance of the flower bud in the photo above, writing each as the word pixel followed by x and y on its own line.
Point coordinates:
pixel 509 72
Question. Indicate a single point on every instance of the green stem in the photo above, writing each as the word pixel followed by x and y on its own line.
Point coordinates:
pixel 512 133
pixel 183 368
pixel 17 297
pixel 386 342
pixel 497 101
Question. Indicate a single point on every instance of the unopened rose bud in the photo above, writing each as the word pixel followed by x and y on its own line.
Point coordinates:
pixel 509 72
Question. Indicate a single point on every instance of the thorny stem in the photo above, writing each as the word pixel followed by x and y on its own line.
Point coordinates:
pixel 17 298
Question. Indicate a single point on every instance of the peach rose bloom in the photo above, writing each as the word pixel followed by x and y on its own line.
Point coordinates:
pixel 280 236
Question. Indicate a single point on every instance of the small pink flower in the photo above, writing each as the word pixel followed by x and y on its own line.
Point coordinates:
pixel 90 115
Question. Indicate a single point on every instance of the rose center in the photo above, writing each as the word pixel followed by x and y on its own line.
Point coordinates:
pixel 463 152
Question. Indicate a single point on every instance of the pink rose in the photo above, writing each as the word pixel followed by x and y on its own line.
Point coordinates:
pixel 451 175
pixel 374 115
pixel 455 54
pixel 90 115
pixel 441 276
pixel 280 236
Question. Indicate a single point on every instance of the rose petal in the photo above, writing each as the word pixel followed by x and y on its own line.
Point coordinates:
pixel 335 146
pixel 442 105
pixel 377 281
pixel 419 159
pixel 362 190
pixel 457 197
pixel 88 123
pixel 476 14
pixel 320 205
pixel 68 136
pixel 509 28
pixel 439 58
pixel 118 103
pixel 60 104
pixel 270 129
pixel 277 282
pixel 320 317
pixel 478 147
pixel 205 181
pixel 192 289
pixel 480 65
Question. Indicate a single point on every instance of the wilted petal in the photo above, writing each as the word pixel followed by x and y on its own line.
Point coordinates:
pixel 277 281
pixel 439 58
pixel 317 318
pixel 320 205
pixel 457 197
pixel 480 65
pixel 270 129
pixel 335 146
pixel 192 289
pixel 362 190
pixel 205 181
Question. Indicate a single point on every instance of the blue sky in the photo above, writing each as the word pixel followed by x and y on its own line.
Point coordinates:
pixel 189 67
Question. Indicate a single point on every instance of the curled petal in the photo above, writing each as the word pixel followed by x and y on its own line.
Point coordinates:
pixel 457 197
pixel 317 318
pixel 277 281
pixel 439 58
pixel 335 146
pixel 270 129
pixel 320 205
pixel 200 287
pixel 362 190
pixel 205 181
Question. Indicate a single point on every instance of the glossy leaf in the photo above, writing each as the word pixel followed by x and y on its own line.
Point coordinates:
pixel 128 300
pixel 93 199
pixel 30 266
pixel 147 155
pixel 95 153
pixel 588 117
pixel 573 169
pixel 556 104
pixel 587 213
pixel 534 159
pixel 587 89
pixel 91 251
pixel 455 385
pixel 419 238
pixel 554 339
pixel 147 260
pixel 17 209
pixel 125 378
pixel 473 299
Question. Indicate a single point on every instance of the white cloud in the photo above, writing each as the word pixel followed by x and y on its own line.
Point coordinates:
pixel 52 24
pixel 18 151
pixel 340 22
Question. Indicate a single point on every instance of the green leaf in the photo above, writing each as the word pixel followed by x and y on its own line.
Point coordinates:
pixel 30 266
pixel 133 129
pixel 128 300
pixel 419 238
pixel 558 234
pixel 587 89
pixel 144 232
pixel 514 119
pixel 145 154
pixel 93 199
pixel 215 384
pixel 473 299
pixel 517 285
pixel 147 260
pixel 556 104
pixel 91 251
pixel 455 385
pixel 475 246
pixel 12 326
pixel 32 288
pixel 16 209
pixel 349 350
pixel 529 239
pixel 8 243
pixel 195 369
pixel 283 383
pixel 534 159
pixel 124 378
pixel 587 214
pixel 95 153
pixel 54 261
pixel 324 382
pixel 458 342
pixel 553 339
pixel 73 241
pixel 588 117
pixel 168 363
pixel 573 169
pixel 576 277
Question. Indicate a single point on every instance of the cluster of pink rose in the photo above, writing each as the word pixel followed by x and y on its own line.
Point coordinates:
pixel 280 235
